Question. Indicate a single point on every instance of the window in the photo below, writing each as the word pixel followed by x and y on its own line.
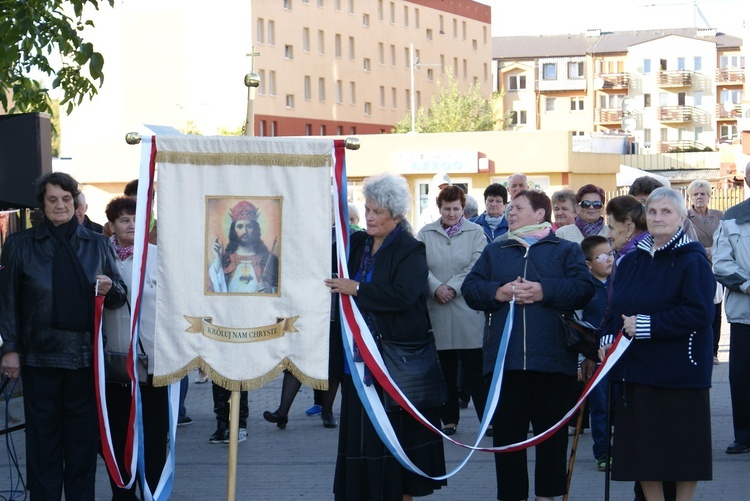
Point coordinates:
pixel 442 25
pixel 647 100
pixel 430 75
pixel 698 98
pixel 442 64
pixel 697 63
pixel 337 5
pixel 576 103
pixel 337 45
pixel 418 104
pixel 429 34
pixel 727 132
pixel 350 6
pixel 455 28
pixel 518 117
pixel 380 10
pixel 646 66
pixel 393 97
pixel 549 104
pixel 366 62
pixel 262 87
pixel 322 89
pixel 321 42
pixel 381 96
pixel 474 44
pixel 272 83
pixel 465 68
pixel 290 100
pixel 697 134
pixel 288 4
pixel 663 64
pixel 321 3
pixel 517 82
pixel 259 25
pixel 366 20
pixel 352 93
pixel 575 69
pixel 339 130
pixel 368 109
pixel 393 55
pixel 549 71
pixel 681 63
pixel 407 99
pixel 339 92
pixel 663 99
pixel 455 67
pixel 463 30
pixel 484 35
pixel 353 129
pixel 322 130
pixel 381 53
pixel 288 52
pixel 406 15
pixel 262 128
pixel 393 13
pixel 646 137
pixel 485 71
pixel 271 33
pixel 351 48
pixel 308 92
pixel 306 39
pixel 308 129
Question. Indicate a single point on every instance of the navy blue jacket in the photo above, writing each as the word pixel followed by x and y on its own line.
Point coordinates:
pixel 672 295
pixel 490 235
pixel 536 342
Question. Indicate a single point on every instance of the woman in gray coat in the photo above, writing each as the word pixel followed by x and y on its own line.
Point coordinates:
pixel 453 245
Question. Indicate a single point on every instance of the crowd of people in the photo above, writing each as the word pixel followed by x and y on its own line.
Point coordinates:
pixel 451 284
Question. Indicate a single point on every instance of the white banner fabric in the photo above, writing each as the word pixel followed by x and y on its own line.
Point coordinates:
pixel 244 246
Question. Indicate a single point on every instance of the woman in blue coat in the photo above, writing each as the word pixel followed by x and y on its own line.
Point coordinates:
pixel 545 275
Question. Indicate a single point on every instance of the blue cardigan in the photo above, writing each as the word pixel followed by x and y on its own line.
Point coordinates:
pixel 536 342
pixel 672 295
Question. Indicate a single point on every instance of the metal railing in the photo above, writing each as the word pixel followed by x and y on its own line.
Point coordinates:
pixel 675 114
pixel 678 78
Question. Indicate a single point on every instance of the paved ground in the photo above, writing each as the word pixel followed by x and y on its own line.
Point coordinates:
pixel 298 462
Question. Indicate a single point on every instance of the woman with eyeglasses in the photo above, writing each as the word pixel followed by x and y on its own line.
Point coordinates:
pixel 589 221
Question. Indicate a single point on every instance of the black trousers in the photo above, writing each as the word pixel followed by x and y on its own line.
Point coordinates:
pixel 221 407
pixel 62 432
pixel 541 399
pixel 473 381
pixel 739 380
pixel 155 411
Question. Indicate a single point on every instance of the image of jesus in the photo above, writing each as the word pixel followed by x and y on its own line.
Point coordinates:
pixel 246 265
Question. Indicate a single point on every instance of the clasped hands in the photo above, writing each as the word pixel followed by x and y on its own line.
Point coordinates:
pixel 522 290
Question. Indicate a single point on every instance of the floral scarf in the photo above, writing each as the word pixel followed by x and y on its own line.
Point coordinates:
pixel 122 252
pixel 452 230
pixel 589 229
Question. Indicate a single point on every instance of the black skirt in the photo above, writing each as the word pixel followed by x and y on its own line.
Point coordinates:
pixel 662 434
pixel 365 468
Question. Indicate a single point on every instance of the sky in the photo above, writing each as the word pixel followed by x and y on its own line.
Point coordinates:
pixel 511 18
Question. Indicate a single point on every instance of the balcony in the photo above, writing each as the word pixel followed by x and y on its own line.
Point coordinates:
pixel 675 114
pixel 608 116
pixel 732 112
pixel 730 76
pixel 614 81
pixel 681 146
pixel 679 78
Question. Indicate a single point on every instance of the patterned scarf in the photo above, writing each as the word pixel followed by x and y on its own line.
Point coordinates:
pixel 364 274
pixel 493 222
pixel 122 252
pixel 529 235
pixel 589 229
pixel 452 230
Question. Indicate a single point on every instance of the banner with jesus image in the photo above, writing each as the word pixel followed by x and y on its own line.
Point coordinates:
pixel 244 247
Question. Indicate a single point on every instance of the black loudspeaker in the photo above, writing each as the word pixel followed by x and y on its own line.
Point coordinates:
pixel 25 154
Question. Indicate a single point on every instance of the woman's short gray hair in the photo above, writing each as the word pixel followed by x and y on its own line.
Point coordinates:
pixel 699 183
pixel 673 196
pixel 563 195
pixel 388 191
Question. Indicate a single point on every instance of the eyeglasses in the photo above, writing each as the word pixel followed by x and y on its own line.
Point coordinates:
pixel 605 256
pixel 587 204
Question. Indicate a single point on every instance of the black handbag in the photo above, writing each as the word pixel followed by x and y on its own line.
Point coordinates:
pixel 116 366
pixel 415 368
pixel 580 336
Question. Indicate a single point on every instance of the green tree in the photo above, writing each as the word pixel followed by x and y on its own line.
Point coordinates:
pixel 44 37
pixel 452 110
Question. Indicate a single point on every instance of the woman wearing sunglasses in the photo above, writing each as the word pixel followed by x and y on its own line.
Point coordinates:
pixel 589 221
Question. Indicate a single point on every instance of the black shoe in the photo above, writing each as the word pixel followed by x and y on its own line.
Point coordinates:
pixel 738 448
pixel 449 430
pixel 329 421
pixel 219 436
pixel 275 417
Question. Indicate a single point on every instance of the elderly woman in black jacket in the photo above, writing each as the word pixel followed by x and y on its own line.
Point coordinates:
pixel 545 275
pixel 389 276
pixel 48 278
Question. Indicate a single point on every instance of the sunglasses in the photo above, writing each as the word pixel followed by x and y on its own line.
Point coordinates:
pixel 604 257
pixel 587 204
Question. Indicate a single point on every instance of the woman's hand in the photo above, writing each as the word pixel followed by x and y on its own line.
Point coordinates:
pixel 504 293
pixel 342 286
pixel 10 365
pixel 527 292
pixel 628 325
pixel 444 294
pixel 104 283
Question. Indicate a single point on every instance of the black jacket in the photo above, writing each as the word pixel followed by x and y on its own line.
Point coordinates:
pixel 396 293
pixel 26 297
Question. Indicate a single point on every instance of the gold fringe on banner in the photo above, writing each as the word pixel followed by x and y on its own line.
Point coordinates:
pixel 263 159
pixel 234 385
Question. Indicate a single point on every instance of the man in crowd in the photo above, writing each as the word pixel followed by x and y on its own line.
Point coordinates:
pixel 83 219
pixel 731 263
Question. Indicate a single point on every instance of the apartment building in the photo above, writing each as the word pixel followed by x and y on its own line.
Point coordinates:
pixel 671 89
pixel 335 67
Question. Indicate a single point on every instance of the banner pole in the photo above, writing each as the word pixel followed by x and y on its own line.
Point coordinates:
pixel 234 425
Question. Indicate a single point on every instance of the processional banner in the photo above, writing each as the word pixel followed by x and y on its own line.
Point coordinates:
pixel 244 247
